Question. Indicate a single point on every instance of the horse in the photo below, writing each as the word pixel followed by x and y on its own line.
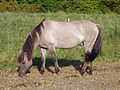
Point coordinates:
pixel 49 35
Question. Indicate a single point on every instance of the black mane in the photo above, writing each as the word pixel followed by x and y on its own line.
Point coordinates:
pixel 29 44
pixel 32 38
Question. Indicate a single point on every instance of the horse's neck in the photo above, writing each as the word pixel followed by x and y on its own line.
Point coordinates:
pixel 34 47
pixel 30 46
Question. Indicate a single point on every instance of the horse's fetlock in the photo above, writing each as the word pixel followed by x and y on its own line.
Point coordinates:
pixel 42 70
pixel 82 72
pixel 57 70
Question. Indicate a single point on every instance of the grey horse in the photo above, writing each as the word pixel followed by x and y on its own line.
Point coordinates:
pixel 51 34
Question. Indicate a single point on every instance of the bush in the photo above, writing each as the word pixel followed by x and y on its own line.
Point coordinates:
pixel 15 7
pixel 77 6
pixel 8 6
pixel 111 5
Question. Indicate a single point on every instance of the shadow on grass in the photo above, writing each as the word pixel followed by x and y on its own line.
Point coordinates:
pixel 62 63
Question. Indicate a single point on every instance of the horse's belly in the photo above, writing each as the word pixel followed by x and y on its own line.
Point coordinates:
pixel 66 46
pixel 65 43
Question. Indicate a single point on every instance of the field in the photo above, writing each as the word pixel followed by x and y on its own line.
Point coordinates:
pixel 14 28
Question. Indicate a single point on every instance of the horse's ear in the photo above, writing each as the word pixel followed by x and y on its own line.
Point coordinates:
pixel 20 51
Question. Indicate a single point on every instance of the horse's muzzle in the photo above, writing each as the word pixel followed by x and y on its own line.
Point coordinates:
pixel 21 74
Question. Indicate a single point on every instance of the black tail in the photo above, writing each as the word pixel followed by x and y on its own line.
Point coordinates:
pixel 97 46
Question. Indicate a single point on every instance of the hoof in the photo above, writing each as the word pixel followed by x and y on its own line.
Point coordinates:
pixel 55 74
pixel 28 71
pixel 41 72
pixel 82 73
pixel 90 72
pixel 56 71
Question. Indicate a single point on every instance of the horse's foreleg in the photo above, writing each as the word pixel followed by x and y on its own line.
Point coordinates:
pixel 43 52
pixel 53 54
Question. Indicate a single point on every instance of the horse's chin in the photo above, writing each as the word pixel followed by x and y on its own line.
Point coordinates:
pixel 22 74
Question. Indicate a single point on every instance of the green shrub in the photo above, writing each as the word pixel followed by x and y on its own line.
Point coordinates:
pixel 15 7
pixel 77 6
pixel 111 5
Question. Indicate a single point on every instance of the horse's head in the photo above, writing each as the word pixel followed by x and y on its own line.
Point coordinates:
pixel 25 64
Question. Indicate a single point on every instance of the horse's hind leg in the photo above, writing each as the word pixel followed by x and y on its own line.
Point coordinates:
pixel 53 54
pixel 43 52
pixel 88 48
pixel 91 68
pixel 84 68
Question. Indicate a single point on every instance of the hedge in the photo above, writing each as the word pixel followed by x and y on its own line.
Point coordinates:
pixel 77 6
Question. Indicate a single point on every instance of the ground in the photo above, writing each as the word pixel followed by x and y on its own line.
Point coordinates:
pixel 106 76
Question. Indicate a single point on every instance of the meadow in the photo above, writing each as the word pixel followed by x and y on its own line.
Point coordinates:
pixel 14 28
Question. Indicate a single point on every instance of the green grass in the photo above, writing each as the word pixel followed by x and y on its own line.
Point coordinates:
pixel 14 28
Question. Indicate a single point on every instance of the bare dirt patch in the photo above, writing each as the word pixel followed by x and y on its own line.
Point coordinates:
pixel 106 76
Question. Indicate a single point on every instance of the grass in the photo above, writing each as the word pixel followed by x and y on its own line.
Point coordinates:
pixel 14 28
